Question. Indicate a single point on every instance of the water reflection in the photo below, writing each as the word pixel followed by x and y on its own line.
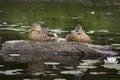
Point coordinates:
pixel 11 72
pixel 61 73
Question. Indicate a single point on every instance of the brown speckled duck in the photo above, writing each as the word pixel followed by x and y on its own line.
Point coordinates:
pixel 78 35
pixel 37 34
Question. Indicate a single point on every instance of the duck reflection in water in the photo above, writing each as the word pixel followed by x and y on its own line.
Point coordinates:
pixel 78 35
pixel 37 34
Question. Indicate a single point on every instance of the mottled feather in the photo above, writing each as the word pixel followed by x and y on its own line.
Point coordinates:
pixel 36 34
pixel 78 35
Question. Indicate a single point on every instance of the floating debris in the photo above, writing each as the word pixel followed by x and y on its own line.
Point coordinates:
pixel 74 17
pixel 22 33
pixel 57 30
pixel 116 45
pixel 59 79
pixel 32 79
pixel 8 25
pixel 48 72
pixel 83 70
pixel 117 48
pixel 61 39
pixel 103 31
pixel 13 25
pixel 97 73
pixel 37 73
pixel 13 29
pixel 26 79
pixel 4 23
pixel 70 72
pixel 1 65
pixel 45 75
pixel 92 12
pixel 108 13
pixel 118 72
pixel 90 61
pixel 85 64
pixel 25 26
pixel 112 66
pixel 53 74
pixel 52 63
pixel 87 67
pixel 91 32
pixel 14 55
pixel 11 72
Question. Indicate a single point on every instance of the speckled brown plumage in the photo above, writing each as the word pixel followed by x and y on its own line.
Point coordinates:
pixel 36 34
pixel 78 35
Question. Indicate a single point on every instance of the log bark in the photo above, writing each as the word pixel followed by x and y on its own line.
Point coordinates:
pixel 69 53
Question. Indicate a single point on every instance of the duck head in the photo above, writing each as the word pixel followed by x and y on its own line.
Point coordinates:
pixel 36 27
pixel 78 29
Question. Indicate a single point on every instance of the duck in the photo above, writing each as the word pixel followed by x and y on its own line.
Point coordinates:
pixel 78 35
pixel 37 34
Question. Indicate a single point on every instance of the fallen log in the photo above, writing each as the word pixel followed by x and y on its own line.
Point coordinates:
pixel 68 53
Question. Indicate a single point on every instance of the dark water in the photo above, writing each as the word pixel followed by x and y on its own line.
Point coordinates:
pixel 19 71
pixel 100 19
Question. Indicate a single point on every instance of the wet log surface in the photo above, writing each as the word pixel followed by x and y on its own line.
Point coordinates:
pixel 69 53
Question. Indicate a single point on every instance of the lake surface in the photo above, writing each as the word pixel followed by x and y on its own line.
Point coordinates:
pixel 100 20
pixel 94 69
